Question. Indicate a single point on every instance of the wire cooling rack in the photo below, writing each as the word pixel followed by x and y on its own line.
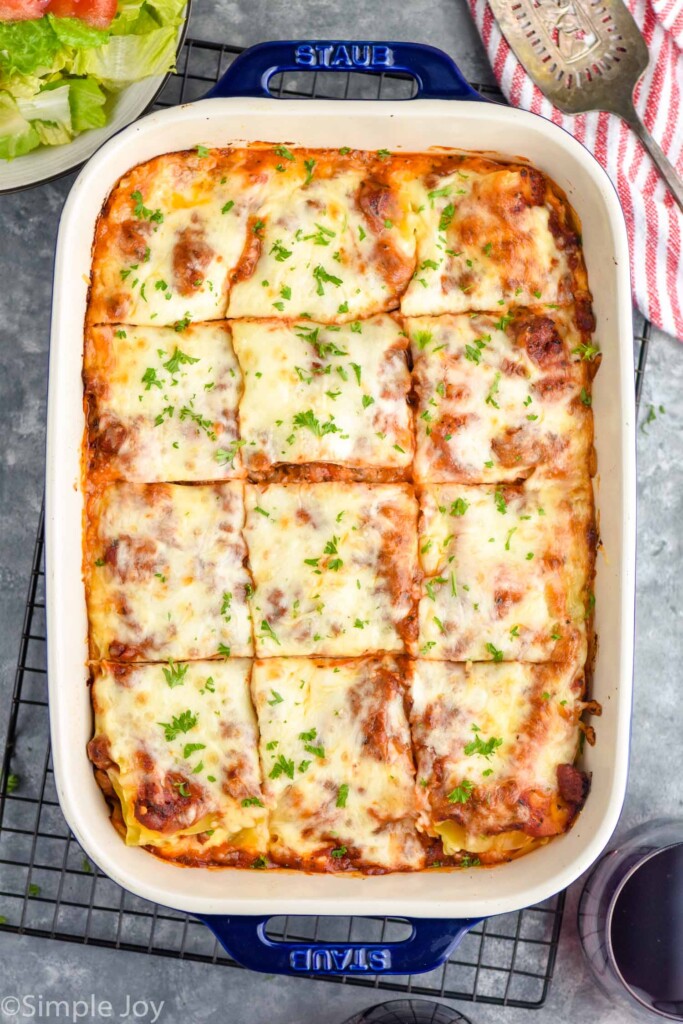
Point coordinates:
pixel 48 887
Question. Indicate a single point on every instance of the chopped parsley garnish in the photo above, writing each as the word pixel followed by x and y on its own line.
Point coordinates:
pixel 461 793
pixel 278 250
pixel 586 398
pixel 587 352
pixel 459 507
pixel 383 154
pixel 438 193
pixel 175 674
pixel 485 748
pixel 252 801
pixel 202 151
pixel 181 325
pixel 494 652
pixel 177 360
pixel 267 631
pixel 223 456
pixel 338 851
pixel 191 748
pixel 502 324
pixel 447 215
pixel 183 722
pixel 342 795
pixel 469 862
pixel 310 421
pixel 322 277
pixel 283 766
pixel 422 339
pixel 150 379
pixel 143 212
pixel 318 751
pixel 285 153
pixel 367 401
pixel 310 167
pixel 227 207
pixel 511 531
pixel 493 391
pixel 224 650
pixel 501 503
pixel 277 698
pixel 473 352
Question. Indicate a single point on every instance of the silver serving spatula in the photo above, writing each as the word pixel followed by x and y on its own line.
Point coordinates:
pixel 584 55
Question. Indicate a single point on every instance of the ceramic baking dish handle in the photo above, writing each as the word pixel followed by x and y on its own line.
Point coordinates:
pixel 245 939
pixel 437 76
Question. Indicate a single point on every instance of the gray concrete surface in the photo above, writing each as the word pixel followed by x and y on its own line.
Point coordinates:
pixel 197 993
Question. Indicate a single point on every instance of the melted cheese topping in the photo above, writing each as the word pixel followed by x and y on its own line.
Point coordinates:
pixel 507 570
pixel 337 764
pixel 334 567
pixel 296 257
pixel 171 232
pixel 498 396
pixel 334 245
pixel 488 741
pixel 488 240
pixel 317 394
pixel 165 575
pixel 162 405
pixel 181 744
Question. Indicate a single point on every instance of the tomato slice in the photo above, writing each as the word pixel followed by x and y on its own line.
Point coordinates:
pixel 22 10
pixel 98 13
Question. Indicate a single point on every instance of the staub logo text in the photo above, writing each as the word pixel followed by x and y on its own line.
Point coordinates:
pixel 344 55
pixel 340 959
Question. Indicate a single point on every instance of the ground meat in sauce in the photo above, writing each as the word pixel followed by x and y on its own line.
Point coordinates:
pixel 133 238
pixel 191 256
pixel 573 783
pixel 162 807
pixel 111 438
pixel 251 253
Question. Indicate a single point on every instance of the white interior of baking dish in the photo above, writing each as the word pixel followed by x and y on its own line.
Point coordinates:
pixel 408 126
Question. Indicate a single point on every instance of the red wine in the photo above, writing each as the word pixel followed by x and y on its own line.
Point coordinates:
pixel 647 932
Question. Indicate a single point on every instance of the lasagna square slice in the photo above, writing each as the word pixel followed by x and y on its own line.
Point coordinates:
pixel 162 406
pixel 176 752
pixel 332 395
pixel 337 764
pixel 334 244
pixel 334 567
pixel 171 233
pixel 507 570
pixel 491 236
pixel 495 748
pixel 500 395
pixel 165 572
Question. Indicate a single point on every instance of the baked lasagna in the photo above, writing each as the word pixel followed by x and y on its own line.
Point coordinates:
pixel 339 528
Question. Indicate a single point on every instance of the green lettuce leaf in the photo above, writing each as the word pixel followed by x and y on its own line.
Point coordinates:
pixel 49 112
pixel 74 32
pixel 27 46
pixel 126 59
pixel 17 135
pixel 86 100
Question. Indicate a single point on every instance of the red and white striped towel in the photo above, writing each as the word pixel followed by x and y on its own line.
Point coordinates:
pixel 653 219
